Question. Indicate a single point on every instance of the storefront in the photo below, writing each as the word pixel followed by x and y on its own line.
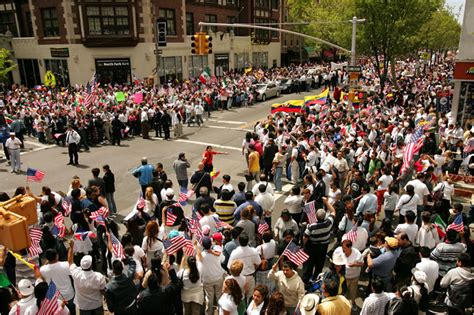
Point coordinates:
pixel 111 71
pixel 221 64
pixel 29 72
pixel 463 107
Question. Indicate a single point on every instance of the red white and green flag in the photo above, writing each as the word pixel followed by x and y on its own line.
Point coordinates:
pixel 205 75
pixel 440 226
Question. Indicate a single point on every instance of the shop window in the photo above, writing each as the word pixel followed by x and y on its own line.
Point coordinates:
pixel 196 64
pixel 60 70
pixel 171 68
pixel 170 17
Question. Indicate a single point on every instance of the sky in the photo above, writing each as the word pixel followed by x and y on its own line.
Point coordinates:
pixel 457 7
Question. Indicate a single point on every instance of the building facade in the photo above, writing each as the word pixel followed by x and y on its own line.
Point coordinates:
pixel 463 96
pixel 115 39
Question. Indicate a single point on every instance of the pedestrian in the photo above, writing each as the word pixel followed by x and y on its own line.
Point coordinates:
pixel 13 146
pixel 117 127
pixel 72 140
pixel 144 122
pixel 253 166
pixel 180 167
pixel 289 283
pixel 207 158
pixel 144 173
pixel 109 188
pixel 121 292
pixel 231 297
pixel 332 302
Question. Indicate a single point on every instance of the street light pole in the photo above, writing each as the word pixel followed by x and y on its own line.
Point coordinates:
pixel 353 48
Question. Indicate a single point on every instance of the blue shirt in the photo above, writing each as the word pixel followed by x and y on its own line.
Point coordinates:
pixel 146 174
pixel 384 264
pixel 367 204
pixel 256 206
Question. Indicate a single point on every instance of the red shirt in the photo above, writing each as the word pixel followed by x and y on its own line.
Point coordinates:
pixel 207 157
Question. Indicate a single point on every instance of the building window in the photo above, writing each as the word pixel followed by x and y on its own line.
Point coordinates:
pixel 241 61
pixel 108 20
pixel 60 70
pixel 231 2
pixel 231 20
pixel 170 17
pixel 275 33
pixel 275 4
pixel 7 23
pixel 211 18
pixel 261 35
pixel 260 59
pixel 50 22
pixel 196 64
pixel 211 1
pixel 262 4
pixel 189 23
pixel 171 68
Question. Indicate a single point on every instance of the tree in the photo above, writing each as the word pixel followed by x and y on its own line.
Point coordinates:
pixel 6 65
pixel 390 29
pixel 441 32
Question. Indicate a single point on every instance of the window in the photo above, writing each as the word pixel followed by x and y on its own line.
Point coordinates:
pixel 108 20
pixel 261 35
pixel 275 4
pixel 59 69
pixel 275 33
pixel 231 2
pixel 211 18
pixel 171 68
pixel 231 20
pixel 196 64
pixel 50 22
pixel 211 1
pixel 7 23
pixel 241 61
pixel 260 59
pixel 189 23
pixel 170 17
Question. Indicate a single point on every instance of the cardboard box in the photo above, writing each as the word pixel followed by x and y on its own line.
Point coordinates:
pixel 23 205
pixel 13 231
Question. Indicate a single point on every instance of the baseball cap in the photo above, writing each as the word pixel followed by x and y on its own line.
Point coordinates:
pixel 86 262
pixel 391 241
pixel 217 237
pixel 25 287
pixel 169 192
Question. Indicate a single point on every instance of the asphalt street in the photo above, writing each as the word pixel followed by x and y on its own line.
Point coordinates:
pixel 224 130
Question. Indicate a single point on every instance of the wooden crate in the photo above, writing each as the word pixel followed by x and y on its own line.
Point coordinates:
pixel 13 231
pixel 23 205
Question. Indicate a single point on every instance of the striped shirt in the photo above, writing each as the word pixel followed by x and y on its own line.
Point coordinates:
pixel 375 303
pixel 445 254
pixel 225 210
pixel 320 232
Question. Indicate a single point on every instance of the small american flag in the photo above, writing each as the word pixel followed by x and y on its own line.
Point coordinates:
pixel 295 254
pixel 415 145
pixel 82 236
pixel 195 226
pixel 184 196
pixel 310 210
pixel 98 217
pixel 188 249
pixel 59 224
pixel 35 235
pixel 174 244
pixel 34 175
pixel 117 247
pixel 50 303
pixel 457 225
pixel 352 235
pixel 219 224
pixel 263 226
pixel 170 218
pixel 67 206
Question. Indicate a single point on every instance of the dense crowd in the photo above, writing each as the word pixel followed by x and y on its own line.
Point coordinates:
pixel 370 213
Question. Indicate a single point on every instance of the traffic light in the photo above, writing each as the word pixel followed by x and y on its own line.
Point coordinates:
pixel 207 46
pixel 196 44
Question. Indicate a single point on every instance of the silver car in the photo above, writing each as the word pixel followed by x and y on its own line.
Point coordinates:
pixel 266 90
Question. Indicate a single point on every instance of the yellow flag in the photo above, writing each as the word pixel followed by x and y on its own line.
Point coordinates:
pixel 49 79
pixel 18 256
pixel 247 70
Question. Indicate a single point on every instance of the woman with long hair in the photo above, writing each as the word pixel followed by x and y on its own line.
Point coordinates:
pixel 192 293
pixel 230 298
pixel 40 294
pixel 151 201
pixel 156 268
pixel 276 304
pixel 259 302
pixel 152 244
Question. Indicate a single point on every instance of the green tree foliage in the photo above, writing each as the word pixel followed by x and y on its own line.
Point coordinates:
pixel 440 32
pixel 6 65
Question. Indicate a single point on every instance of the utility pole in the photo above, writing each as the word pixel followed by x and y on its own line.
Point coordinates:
pixel 353 47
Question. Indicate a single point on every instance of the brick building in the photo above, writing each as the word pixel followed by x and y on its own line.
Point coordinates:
pixel 115 38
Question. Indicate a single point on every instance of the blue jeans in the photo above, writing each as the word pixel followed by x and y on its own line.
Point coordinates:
pixel 111 202
pixel 183 184
pixel 277 178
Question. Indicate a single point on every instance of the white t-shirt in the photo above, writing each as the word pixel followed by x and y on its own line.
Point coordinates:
pixel 213 271
pixel 420 190
pixel 240 280
pixel 268 249
pixel 385 181
pixel 409 229
pixel 226 303
pixel 355 256
pixel 59 272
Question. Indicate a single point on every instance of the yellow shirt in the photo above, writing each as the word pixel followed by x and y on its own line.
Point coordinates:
pixel 254 163
pixel 335 305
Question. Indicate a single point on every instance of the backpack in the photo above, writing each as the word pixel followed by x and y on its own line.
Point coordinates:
pixel 461 297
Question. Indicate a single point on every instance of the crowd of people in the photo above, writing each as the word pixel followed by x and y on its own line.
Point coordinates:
pixel 370 213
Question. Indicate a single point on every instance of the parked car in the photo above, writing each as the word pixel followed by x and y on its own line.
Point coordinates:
pixel 266 90
pixel 286 86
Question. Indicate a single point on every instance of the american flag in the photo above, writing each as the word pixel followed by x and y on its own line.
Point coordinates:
pixel 170 218
pixel 59 224
pixel 188 249
pixel 184 196
pixel 263 226
pixel 352 235
pixel 310 210
pixel 457 225
pixel 174 244
pixel 50 303
pixel 67 206
pixel 35 235
pixel 98 217
pixel 219 224
pixel 82 236
pixel 295 254
pixel 195 226
pixel 415 144
pixel 34 175
pixel 117 248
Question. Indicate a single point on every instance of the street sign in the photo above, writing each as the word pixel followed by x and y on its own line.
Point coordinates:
pixel 160 32
pixel 158 51
pixel 353 68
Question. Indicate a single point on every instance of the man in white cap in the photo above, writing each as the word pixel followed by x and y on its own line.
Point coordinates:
pixel 27 298
pixel 13 146
pixel 89 284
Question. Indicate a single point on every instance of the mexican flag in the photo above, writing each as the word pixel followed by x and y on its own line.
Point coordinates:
pixel 205 75
pixel 440 226
pixel 224 83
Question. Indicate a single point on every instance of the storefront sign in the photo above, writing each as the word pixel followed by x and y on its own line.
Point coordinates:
pixel 464 71
pixel 112 62
pixel 59 52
